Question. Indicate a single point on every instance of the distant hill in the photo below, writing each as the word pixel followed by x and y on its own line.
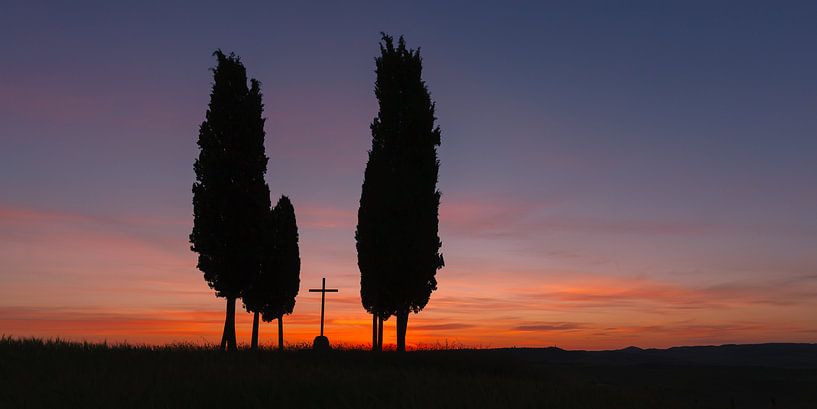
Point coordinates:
pixel 772 355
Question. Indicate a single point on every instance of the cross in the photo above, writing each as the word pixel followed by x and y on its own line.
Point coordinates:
pixel 323 290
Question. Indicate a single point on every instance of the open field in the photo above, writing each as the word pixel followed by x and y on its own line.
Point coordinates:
pixel 39 374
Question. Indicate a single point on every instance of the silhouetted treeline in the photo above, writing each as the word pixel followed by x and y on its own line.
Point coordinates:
pixel 234 229
pixel 248 250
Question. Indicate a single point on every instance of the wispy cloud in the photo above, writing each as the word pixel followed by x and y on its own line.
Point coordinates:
pixel 443 327
pixel 551 326
pixel 639 294
pixel 526 219
pixel 19 215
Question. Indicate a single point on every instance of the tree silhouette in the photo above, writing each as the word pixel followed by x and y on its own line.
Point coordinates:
pixel 273 292
pixel 397 233
pixel 257 293
pixel 373 231
pixel 230 196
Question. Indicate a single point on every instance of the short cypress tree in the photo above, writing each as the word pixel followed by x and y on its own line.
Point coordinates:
pixel 273 292
pixel 230 195
pixel 287 261
pixel 397 233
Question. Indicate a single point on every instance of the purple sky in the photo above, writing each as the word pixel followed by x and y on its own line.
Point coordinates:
pixel 613 173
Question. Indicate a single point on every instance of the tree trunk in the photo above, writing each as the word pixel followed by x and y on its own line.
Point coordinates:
pixel 224 336
pixel 380 334
pixel 254 342
pixel 281 332
pixel 402 326
pixel 228 336
pixel 374 332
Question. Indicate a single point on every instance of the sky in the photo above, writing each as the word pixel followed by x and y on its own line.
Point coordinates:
pixel 613 173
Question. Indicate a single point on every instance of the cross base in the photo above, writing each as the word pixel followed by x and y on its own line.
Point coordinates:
pixel 321 343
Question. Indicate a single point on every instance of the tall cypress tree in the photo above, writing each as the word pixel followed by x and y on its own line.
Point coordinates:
pixel 397 233
pixel 230 195
pixel 273 292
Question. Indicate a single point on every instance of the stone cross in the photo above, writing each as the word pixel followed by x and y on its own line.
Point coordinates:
pixel 323 290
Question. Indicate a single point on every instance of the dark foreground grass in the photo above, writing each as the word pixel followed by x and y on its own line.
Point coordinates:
pixel 44 374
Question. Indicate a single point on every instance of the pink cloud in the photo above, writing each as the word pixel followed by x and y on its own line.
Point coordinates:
pixel 57 104
pixel 24 215
pixel 326 217
pixel 522 219
pixel 484 217
pixel 641 294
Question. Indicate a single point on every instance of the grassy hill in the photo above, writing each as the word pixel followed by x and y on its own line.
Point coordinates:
pixel 42 374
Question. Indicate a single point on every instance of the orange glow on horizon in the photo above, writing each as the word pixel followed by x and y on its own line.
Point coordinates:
pixel 105 279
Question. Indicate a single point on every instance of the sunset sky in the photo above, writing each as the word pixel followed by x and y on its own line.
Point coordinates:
pixel 614 173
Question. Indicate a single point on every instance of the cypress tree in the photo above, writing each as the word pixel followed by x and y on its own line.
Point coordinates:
pixel 274 290
pixel 397 233
pixel 372 231
pixel 257 293
pixel 230 195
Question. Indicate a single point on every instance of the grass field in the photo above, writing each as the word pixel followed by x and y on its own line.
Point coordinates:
pixel 43 374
